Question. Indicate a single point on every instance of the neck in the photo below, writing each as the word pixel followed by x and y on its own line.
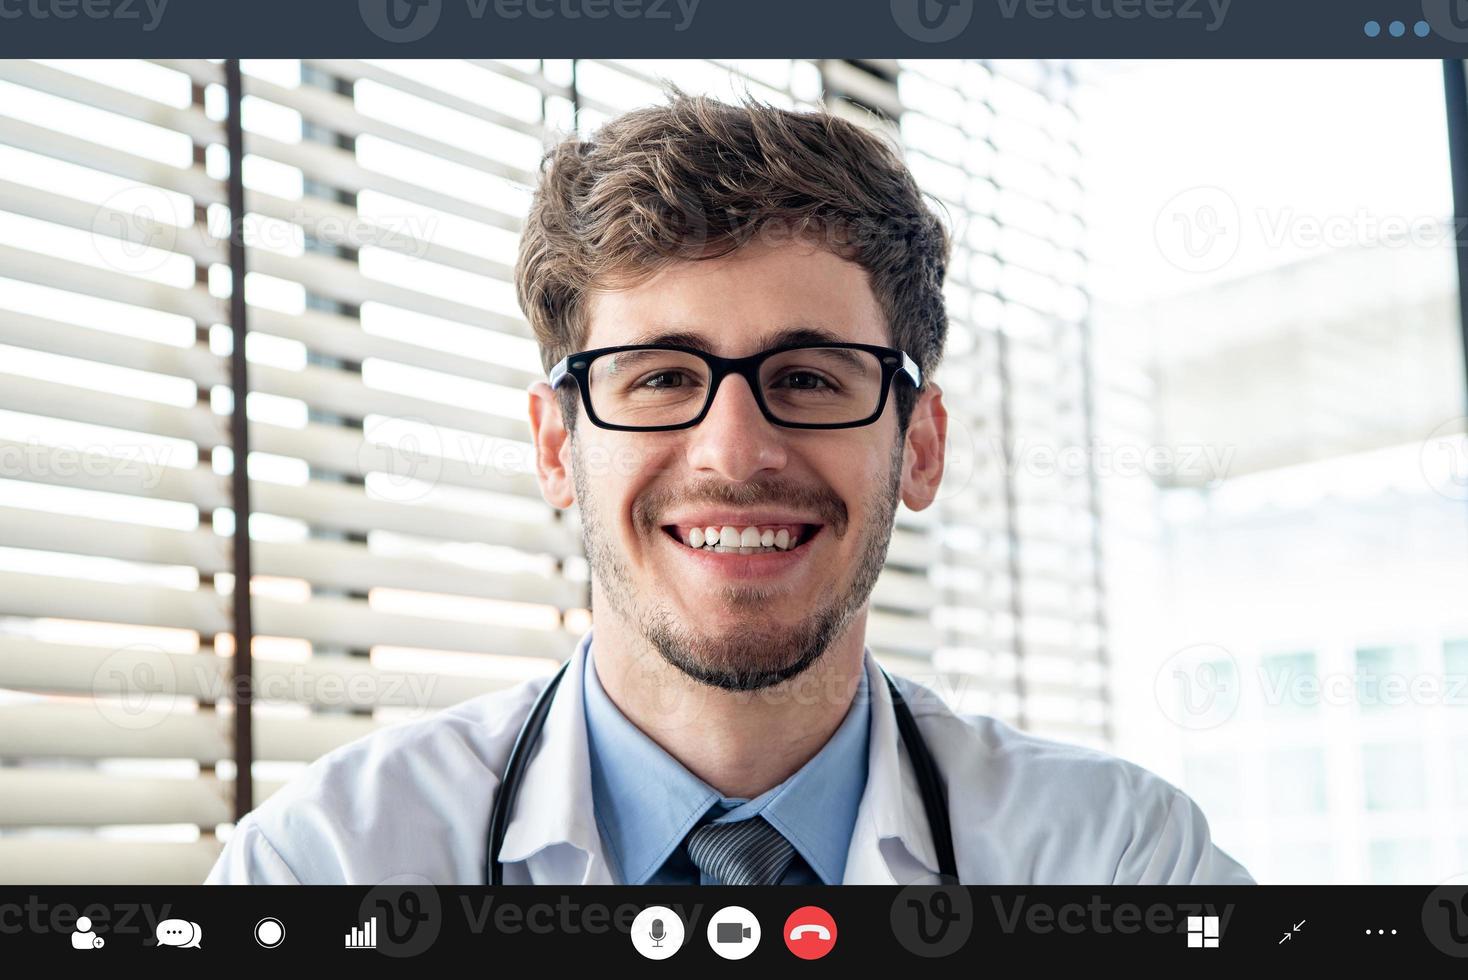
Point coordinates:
pixel 741 743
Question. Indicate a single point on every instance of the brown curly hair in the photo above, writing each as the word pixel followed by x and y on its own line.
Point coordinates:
pixel 697 178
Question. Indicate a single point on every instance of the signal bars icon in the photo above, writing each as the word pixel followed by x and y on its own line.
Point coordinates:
pixel 364 937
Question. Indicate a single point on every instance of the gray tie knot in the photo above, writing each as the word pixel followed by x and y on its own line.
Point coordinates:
pixel 746 852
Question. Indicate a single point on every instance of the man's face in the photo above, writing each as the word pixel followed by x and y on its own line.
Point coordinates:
pixel 739 621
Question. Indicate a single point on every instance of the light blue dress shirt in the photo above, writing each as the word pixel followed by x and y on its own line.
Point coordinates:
pixel 647 802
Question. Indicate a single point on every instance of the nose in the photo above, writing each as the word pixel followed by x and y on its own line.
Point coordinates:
pixel 735 440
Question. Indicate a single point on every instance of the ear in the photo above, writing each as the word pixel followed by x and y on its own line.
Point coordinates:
pixel 552 446
pixel 923 454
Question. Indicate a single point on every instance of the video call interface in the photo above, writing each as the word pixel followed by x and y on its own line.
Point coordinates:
pixel 595 481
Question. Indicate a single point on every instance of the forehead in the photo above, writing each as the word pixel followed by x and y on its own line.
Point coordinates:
pixel 757 297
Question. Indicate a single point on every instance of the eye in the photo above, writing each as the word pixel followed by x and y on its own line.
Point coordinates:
pixel 650 381
pixel 810 381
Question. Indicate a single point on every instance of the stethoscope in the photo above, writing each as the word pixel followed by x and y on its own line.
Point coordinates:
pixel 930 782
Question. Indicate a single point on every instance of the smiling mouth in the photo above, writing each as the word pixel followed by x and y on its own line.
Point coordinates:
pixel 770 539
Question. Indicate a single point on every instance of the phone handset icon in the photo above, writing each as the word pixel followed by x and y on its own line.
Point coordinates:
pixel 810 932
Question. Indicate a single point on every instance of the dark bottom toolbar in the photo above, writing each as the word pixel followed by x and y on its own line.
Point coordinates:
pixel 854 925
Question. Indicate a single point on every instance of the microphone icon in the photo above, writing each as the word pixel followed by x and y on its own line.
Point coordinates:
pixel 656 932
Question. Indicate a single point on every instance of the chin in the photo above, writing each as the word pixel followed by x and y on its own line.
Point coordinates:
pixel 746 659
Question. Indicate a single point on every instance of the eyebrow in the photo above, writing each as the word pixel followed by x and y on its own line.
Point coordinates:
pixel 780 338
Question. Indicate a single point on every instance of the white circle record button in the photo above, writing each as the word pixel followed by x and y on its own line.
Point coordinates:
pixel 733 932
pixel 657 932
pixel 270 932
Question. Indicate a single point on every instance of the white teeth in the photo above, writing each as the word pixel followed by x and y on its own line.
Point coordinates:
pixel 745 541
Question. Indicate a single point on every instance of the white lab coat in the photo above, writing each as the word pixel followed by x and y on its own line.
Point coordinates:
pixel 411 803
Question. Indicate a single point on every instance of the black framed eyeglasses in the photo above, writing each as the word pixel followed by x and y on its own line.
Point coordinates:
pixel 656 387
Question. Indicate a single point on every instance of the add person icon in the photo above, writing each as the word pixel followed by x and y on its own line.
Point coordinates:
pixel 84 937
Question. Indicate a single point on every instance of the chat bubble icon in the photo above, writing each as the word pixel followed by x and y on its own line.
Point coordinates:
pixel 179 932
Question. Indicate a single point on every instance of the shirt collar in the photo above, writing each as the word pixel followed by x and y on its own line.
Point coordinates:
pixel 816 807
pixel 552 824
pixel 892 841
pixel 553 827
pixel 647 801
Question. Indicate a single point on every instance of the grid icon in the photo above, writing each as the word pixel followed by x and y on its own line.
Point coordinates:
pixel 1202 930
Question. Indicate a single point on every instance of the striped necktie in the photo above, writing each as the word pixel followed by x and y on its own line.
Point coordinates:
pixel 746 852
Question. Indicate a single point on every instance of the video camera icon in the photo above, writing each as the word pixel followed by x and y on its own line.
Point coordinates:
pixel 733 932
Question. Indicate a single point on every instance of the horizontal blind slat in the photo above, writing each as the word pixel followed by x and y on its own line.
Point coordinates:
pixel 336 167
pixel 355 70
pixel 81 731
pixel 192 180
pixel 343 337
pixel 51 596
pixel 26 860
pixel 324 108
pixel 322 563
pixel 155 678
pixel 54 81
pixel 193 302
pixel 342 280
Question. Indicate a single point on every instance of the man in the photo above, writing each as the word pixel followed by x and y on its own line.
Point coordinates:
pixel 741 310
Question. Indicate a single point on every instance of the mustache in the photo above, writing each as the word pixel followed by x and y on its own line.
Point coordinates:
pixel 818 500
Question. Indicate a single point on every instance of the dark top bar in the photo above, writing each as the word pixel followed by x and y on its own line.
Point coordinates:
pixel 737 28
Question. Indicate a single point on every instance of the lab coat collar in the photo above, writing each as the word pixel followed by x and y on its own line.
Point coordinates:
pixel 891 842
pixel 553 826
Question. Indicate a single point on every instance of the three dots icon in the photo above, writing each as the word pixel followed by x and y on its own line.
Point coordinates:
pixel 1397 28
